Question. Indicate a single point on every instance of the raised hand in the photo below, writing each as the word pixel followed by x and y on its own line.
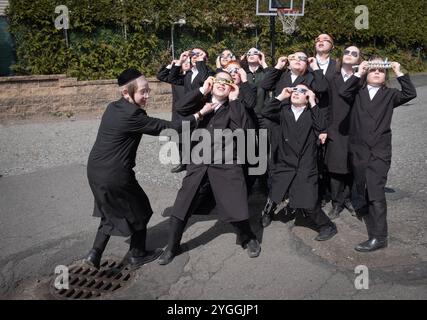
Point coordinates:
pixel 363 68
pixel 234 93
pixel 262 60
pixel 396 68
pixel 208 108
pixel 243 75
pixel 311 98
pixel 184 56
pixel 285 94
pixel 281 63
pixel 208 85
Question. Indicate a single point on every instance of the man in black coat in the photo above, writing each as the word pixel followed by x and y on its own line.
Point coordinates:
pixel 336 158
pixel 225 177
pixel 178 91
pixel 294 150
pixel 370 143
pixel 120 202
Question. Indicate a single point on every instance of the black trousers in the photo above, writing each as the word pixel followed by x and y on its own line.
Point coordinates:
pixel 375 219
pixel 318 216
pixel 176 230
pixel 204 200
pixel 324 190
pixel 340 185
pixel 137 241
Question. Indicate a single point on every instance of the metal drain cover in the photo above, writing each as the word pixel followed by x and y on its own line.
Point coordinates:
pixel 86 282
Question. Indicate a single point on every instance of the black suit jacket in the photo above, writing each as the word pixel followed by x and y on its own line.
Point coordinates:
pixel 294 153
pixel 370 132
pixel 176 77
pixel 276 80
pixel 177 91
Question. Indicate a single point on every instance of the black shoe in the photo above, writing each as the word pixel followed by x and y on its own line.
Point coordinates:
pixel 254 248
pixel 371 245
pixel 349 207
pixel 149 256
pixel 93 258
pixel 266 219
pixel 179 168
pixel 335 212
pixel 327 232
pixel 168 255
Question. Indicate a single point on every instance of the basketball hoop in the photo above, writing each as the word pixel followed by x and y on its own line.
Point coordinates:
pixel 288 17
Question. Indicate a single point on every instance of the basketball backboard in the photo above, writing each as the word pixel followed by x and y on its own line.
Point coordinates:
pixel 269 7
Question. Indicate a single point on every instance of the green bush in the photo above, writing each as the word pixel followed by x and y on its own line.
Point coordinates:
pixel 99 48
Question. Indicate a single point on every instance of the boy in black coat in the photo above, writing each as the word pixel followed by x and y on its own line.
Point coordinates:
pixel 294 150
pixel 226 179
pixel 178 91
pixel 336 158
pixel 370 143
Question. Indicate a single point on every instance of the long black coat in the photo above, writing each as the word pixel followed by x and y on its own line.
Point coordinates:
pixel 370 134
pixel 339 124
pixel 177 90
pixel 120 202
pixel 294 150
pixel 227 181
pixel 325 97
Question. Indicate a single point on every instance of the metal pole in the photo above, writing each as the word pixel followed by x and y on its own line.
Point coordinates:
pixel 66 38
pixel 256 37
pixel 172 44
pixel 273 39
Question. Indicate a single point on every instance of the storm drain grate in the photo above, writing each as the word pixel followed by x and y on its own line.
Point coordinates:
pixel 86 282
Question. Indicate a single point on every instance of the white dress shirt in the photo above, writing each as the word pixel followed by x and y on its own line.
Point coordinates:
pixel 220 103
pixel 293 77
pixel 297 111
pixel 323 65
pixel 373 91
pixel 345 75
pixel 195 73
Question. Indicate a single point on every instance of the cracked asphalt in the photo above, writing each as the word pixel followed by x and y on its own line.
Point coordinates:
pixel 45 221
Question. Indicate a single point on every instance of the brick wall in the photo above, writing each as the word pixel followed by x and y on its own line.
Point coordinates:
pixel 26 96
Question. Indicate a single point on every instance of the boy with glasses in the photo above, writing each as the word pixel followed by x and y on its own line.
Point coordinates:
pixel 294 175
pixel 372 106
pixel 336 158
pixel 225 181
pixel 178 91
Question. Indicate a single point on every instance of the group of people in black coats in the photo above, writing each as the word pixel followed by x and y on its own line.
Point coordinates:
pixel 328 127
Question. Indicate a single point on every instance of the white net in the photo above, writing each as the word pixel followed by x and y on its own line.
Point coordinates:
pixel 288 18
